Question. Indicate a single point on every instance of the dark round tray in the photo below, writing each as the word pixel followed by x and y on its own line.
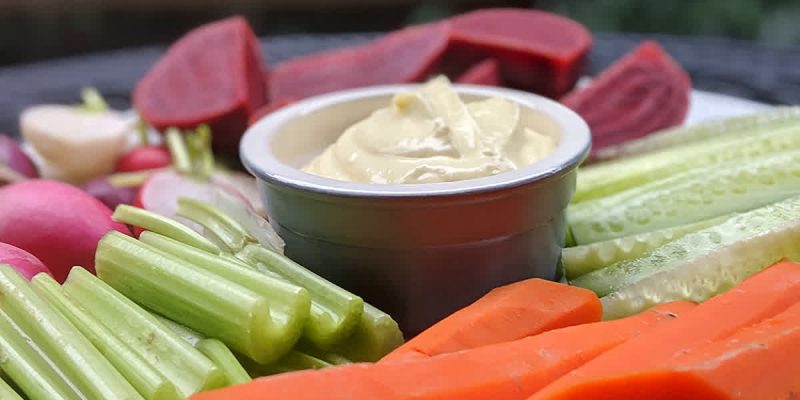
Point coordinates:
pixel 740 68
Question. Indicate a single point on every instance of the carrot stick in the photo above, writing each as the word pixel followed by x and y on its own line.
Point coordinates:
pixel 760 297
pixel 508 371
pixel 758 362
pixel 506 313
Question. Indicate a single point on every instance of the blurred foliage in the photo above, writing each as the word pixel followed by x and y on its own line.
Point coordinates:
pixel 774 21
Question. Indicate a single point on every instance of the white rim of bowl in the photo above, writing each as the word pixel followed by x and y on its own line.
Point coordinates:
pixel 255 151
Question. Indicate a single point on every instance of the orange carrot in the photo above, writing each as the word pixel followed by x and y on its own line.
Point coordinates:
pixel 512 370
pixel 506 313
pixel 758 362
pixel 756 299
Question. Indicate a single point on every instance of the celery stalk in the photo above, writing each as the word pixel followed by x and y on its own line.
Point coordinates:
pixel 191 336
pixel 178 361
pixel 222 228
pixel 215 350
pixel 289 304
pixel 28 368
pixel 294 361
pixel 147 381
pixel 221 355
pixel 8 393
pixel 335 312
pixel 160 224
pixel 327 356
pixel 188 294
pixel 376 335
pixel 82 364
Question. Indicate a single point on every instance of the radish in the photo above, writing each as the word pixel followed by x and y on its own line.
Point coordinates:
pixel 62 135
pixel 112 196
pixel 56 222
pixel 14 163
pixel 25 263
pixel 144 158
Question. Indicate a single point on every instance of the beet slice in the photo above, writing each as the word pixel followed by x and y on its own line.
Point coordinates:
pixel 537 51
pixel 212 75
pixel 642 92
pixel 486 72
pixel 407 55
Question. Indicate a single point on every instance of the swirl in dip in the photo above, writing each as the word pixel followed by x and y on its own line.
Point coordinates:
pixel 433 136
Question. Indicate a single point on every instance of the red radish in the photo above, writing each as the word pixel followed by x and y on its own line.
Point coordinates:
pixel 110 195
pixel 269 109
pixel 537 51
pixel 144 158
pixel 643 92
pixel 25 263
pixel 56 222
pixel 161 191
pixel 213 75
pixel 486 72
pixel 408 55
pixel 12 157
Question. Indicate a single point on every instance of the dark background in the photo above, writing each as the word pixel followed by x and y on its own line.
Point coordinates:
pixel 41 29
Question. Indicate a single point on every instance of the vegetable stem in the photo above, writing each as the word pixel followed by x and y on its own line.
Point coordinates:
pixel 80 361
pixel 221 227
pixel 176 144
pixel 93 101
pixel 218 353
pixel 289 304
pixel 187 294
pixel 335 312
pixel 8 393
pixel 167 353
pixel 165 226
pixel 26 366
pixel 147 381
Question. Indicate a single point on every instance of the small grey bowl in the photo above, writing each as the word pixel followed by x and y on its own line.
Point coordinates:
pixel 417 251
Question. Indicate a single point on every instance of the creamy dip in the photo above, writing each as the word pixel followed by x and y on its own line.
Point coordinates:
pixel 433 136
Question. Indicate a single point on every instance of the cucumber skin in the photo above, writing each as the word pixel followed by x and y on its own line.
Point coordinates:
pixel 687 197
pixel 701 264
pixel 580 260
pixel 776 118
pixel 604 179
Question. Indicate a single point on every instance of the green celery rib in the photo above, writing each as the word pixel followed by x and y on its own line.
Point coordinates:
pixel 147 381
pixel 221 355
pixel 187 294
pixel 289 304
pixel 376 335
pixel 215 350
pixel 335 312
pixel 8 393
pixel 189 335
pixel 28 368
pixel 327 356
pixel 160 224
pixel 222 228
pixel 294 361
pixel 188 369
pixel 80 361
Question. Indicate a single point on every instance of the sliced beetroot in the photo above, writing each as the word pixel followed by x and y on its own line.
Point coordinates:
pixel 642 92
pixel 213 75
pixel 23 262
pixel 56 222
pixel 537 51
pixel 269 109
pixel 486 72
pixel 408 55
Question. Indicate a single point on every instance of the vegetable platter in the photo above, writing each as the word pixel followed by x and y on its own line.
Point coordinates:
pixel 138 262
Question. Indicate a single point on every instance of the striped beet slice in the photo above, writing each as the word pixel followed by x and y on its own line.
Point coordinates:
pixel 408 55
pixel 643 92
